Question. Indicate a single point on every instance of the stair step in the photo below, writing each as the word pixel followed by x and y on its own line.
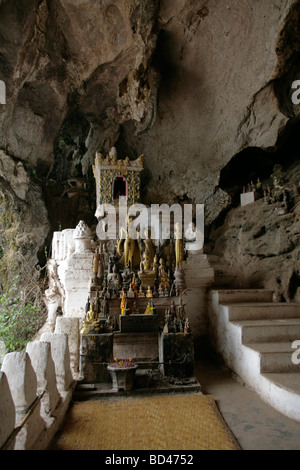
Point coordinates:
pixel 261 311
pixel 269 330
pixel 256 323
pixel 275 357
pixel 229 296
pixel 289 380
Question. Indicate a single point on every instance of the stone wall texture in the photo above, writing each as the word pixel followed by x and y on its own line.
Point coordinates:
pixel 201 87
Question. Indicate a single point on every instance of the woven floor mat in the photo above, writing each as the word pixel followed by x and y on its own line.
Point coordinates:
pixel 172 422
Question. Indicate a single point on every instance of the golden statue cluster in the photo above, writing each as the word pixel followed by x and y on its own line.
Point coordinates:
pixel 130 270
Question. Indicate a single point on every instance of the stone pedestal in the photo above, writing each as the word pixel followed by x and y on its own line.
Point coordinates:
pixel 199 276
pixel 141 346
pixel 147 279
pixel 139 323
pixel 176 353
pixel 96 352
pixel 75 275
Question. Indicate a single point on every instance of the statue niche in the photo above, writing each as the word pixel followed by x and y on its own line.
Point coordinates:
pixel 119 187
pixel 117 178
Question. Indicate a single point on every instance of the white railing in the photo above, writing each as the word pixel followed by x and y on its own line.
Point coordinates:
pixel 36 387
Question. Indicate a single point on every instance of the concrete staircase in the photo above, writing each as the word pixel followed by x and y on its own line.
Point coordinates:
pixel 255 336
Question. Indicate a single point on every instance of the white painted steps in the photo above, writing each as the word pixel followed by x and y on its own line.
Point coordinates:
pixel 290 381
pixel 262 311
pixel 279 329
pixel 275 357
pixel 255 336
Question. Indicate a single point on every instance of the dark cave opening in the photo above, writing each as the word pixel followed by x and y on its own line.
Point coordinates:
pixel 254 162
pixel 294 285
pixel 248 165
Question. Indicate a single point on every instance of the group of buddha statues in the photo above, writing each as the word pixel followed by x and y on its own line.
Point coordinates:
pixel 176 320
pixel 139 267
pixel 132 269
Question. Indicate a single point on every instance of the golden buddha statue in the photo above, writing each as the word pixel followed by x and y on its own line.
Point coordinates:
pixel 155 265
pixel 92 315
pixel 146 264
pixel 90 321
pixel 148 309
pixel 149 294
pixel 123 304
pixel 164 281
pixel 161 267
pixel 178 246
pixel 128 248
pixel 149 248
pixel 146 273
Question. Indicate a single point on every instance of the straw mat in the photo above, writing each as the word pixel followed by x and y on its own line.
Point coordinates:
pixel 162 422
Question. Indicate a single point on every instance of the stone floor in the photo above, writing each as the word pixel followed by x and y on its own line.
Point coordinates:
pixel 254 424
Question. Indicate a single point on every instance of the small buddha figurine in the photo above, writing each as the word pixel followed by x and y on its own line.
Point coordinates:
pixel 187 328
pixel 114 278
pixel 146 262
pixel 161 268
pixel 104 308
pixel 149 294
pixel 141 293
pixel 173 309
pixel 123 303
pixel 134 286
pixel 148 309
pixel 258 185
pixel 164 281
pixel 96 260
pixel 135 310
pixel 155 265
pixel 92 314
pixel 130 293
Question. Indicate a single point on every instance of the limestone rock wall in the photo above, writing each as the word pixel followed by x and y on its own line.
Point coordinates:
pixel 191 84
pixel 259 246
